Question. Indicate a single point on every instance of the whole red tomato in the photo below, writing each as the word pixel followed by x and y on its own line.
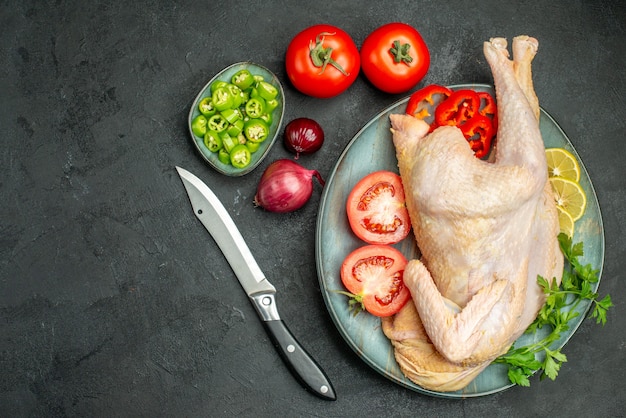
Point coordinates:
pixel 322 61
pixel 394 57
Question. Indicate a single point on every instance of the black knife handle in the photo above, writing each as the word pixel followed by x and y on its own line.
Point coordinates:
pixel 300 363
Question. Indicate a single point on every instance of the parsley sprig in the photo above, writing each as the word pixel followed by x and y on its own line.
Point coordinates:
pixel 576 286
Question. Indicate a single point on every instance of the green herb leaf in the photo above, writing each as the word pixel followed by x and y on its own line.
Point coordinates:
pixel 552 363
pixel 599 311
pixel 518 376
pixel 576 285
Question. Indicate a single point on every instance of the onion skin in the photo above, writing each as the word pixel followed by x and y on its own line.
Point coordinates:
pixel 285 186
pixel 303 136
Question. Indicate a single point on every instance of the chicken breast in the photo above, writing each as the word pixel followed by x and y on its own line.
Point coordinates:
pixel 485 230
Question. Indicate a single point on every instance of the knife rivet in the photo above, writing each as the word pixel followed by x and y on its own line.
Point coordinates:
pixel 291 348
pixel 324 389
pixel 267 301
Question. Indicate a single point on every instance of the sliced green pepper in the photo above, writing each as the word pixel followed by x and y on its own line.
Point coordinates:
pixel 217 84
pixel 253 146
pixel 270 105
pixel 267 118
pixel 235 128
pixel 266 90
pixel 256 130
pixel 240 156
pixel 242 79
pixel 255 107
pixel 235 119
pixel 237 95
pixel 245 96
pixel 252 92
pixel 212 141
pixel 206 107
pixel 217 123
pixel 231 115
pixel 198 125
pixel 223 156
pixel 228 142
pixel 222 98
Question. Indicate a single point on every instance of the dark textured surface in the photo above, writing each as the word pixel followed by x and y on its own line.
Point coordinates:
pixel 114 301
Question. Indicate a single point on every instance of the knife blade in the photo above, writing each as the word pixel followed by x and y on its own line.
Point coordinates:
pixel 215 218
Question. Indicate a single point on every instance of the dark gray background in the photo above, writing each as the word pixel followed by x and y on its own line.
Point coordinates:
pixel 114 301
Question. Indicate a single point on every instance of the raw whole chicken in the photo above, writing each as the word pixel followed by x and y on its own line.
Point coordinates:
pixel 485 231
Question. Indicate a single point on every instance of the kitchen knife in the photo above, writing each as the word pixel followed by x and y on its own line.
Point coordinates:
pixel 213 215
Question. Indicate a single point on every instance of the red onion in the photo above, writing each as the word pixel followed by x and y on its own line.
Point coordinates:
pixel 285 186
pixel 303 135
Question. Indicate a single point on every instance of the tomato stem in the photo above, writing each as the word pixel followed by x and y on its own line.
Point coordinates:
pixel 355 302
pixel 321 56
pixel 400 53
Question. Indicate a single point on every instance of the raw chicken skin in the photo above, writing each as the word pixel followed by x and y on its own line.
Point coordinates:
pixel 485 230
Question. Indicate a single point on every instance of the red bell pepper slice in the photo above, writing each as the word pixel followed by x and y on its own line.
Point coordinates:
pixel 458 108
pixel 479 132
pixel 475 113
pixel 488 108
pixel 487 103
pixel 421 99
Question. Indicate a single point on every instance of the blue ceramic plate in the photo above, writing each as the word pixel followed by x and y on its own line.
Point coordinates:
pixel 277 119
pixel 372 149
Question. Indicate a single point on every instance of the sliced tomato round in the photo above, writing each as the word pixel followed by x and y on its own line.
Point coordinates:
pixel 376 209
pixel 373 274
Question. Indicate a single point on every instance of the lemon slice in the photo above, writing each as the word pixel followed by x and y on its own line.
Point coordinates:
pixel 569 196
pixel 566 223
pixel 561 163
